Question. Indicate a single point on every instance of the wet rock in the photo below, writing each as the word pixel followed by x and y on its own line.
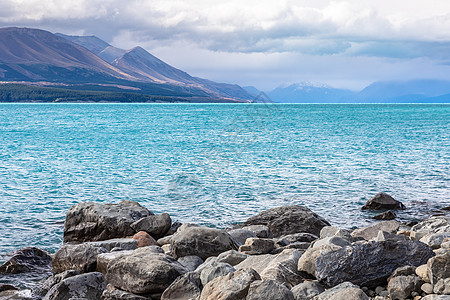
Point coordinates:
pixel 144 239
pixel 283 268
pixel 439 273
pixel 401 287
pixel 88 286
pixel 116 244
pixel 387 215
pixel 295 238
pixel 371 232
pixel 90 221
pixel 155 225
pixel 307 262
pixel 268 289
pixel 439 224
pixel 434 240
pixel 291 219
pixel 112 293
pixel 255 246
pixel 191 262
pixel 81 257
pixel 307 290
pixel 231 257
pixel 383 201
pixel 233 286
pixel 186 287
pixel 343 291
pixel 143 271
pixel 369 264
pixel 215 270
pixel 201 241
pixel 241 235
pixel 51 281
pixel 28 259
pixel 261 231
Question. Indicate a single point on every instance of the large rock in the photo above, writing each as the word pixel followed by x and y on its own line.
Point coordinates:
pixel 283 268
pixel 116 244
pixel 28 259
pixel 256 262
pixel 439 273
pixel 88 286
pixel 437 224
pixel 43 289
pixel 383 201
pixel 434 240
pixel 91 221
pixel 344 291
pixel 255 246
pixel 296 238
pixel 231 257
pixel 436 297
pixel 81 257
pixel 233 286
pixel 104 259
pixel 190 262
pixel 112 293
pixel 371 232
pixel 186 287
pixel 307 290
pixel 401 287
pixel 214 270
pixel 291 219
pixel 143 271
pixel 241 235
pixel 201 241
pixel 261 231
pixel 268 289
pixel 156 226
pixel 369 264
pixel 307 262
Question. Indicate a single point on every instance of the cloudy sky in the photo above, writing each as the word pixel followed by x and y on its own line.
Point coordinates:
pixel 343 43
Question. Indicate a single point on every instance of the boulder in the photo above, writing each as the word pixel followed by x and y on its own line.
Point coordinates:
pixel 87 286
pixel 174 228
pixel 104 259
pixel 91 221
pixel 332 240
pixel 383 201
pixel 143 271
pixel 256 262
pixel 112 293
pixel 144 239
pixel 165 240
pixel 386 236
pixel 233 286
pixel 283 268
pixel 232 257
pixel 201 241
pixel 307 290
pixel 16 295
pixel 369 264
pixel 268 289
pixel 296 238
pixel 343 291
pixel 261 231
pixel 241 235
pixel 401 287
pixel 215 270
pixel 437 224
pixel 81 257
pixel 155 225
pixel 436 297
pixel 307 262
pixel 434 240
pixel 427 288
pixel 302 246
pixel 186 287
pixel 116 244
pixel 290 219
pixel 422 272
pixel 439 273
pixel 191 262
pixel 7 287
pixel 387 215
pixel 403 271
pixel 371 232
pixel 255 246
pixel 28 259
pixel 43 289
pixel 329 231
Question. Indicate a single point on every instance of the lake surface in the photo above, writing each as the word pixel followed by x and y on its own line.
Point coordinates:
pixel 216 164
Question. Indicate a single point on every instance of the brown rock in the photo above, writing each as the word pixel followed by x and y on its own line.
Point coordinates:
pixel 144 239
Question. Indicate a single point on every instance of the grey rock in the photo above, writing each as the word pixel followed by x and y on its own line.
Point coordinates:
pixel 403 271
pixel 215 270
pixel 91 221
pixel 201 241
pixel 436 297
pixel 191 262
pixel 186 287
pixel 86 286
pixel 255 246
pixel 307 290
pixel 165 240
pixel 427 288
pixel 442 286
pixel 28 259
pixel 386 236
pixel 371 232
pixel 295 238
pixel 434 240
pixel 261 231
pixel 383 201
pixel 343 291
pixel 369 264
pixel 401 287
pixel 329 231
pixel 16 295
pixel 333 240
pixel 112 293
pixel 231 257
pixel 291 219
pixel 439 268
pixel 268 289
pixel 104 259
pixel 174 228
pixel 283 269
pixel 241 235
pixel 7 287
pixel 233 286
pixel 307 262
pixel 155 225
pixel 422 272
pixel 43 289
pixel 387 215
pixel 437 224
pixel 256 262
pixel 81 257
pixel 302 246
pixel 117 244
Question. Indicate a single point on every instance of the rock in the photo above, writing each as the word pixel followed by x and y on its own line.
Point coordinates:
pixel 144 239
pixel 191 262
pixel 231 257
pixel 16 295
pixel 156 226
pixel 333 240
pixel 81 257
pixel 307 290
pixel 241 235
pixel 387 215
pixel 422 272
pixel 343 291
pixel 28 259
pixel 7 287
pixel 283 269
pixel 438 224
pixel 434 240
pixel 117 244
pixel 201 241
pixel 214 270
pixel 186 287
pixel 111 293
pixel 164 240
pixel 371 232
pixel 261 231
pixel 43 289
pixel 295 238
pixel 302 246
pixel 174 228
pixel 104 259
pixel 143 271
pixel 383 201
pixel 427 288
pixel 386 236
pixel 255 246
pixel 401 287
pixel 442 286
pixel 90 221
pixel 233 286
pixel 436 297
pixel 307 262
pixel 268 289
pixel 403 271
pixel 256 262
pixel 86 286
pixel 167 248
pixel 439 273
pixel 369 264
pixel 291 219
pixel 329 231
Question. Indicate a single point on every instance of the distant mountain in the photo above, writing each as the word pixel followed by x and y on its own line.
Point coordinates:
pixel 252 90
pixel 310 93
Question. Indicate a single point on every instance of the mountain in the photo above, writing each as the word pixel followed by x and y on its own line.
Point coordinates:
pixel 309 93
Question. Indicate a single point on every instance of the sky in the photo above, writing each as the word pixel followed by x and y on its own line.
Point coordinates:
pixel 342 43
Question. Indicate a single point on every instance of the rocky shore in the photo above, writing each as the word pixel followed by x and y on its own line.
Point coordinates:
pixel 124 251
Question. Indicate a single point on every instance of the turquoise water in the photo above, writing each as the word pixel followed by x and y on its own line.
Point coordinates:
pixel 216 164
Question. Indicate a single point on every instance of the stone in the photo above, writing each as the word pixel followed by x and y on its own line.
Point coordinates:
pixel 329 231
pixel 261 231
pixel 122 244
pixel 268 289
pixel 201 241
pixel 371 232
pixel 28 259
pixel 7 287
pixel 436 297
pixel 233 286
pixel 164 240
pixel 104 259
pixel 332 240
pixel 112 293
pixel 255 246
pixel 422 272
pixel 241 235
pixel 88 286
pixel 186 287
pixel 256 262
pixel 81 257
pixel 295 238
pixel 16 295
pixel 387 215
pixel 442 286
pixel 369 264
pixel 386 236
pixel 144 239
pixel 167 248
pixel 403 271
pixel 89 221
pixel 143 271
pixel 427 288
pixel 43 289
pixel 307 262
pixel 191 262
pixel 438 268
pixel 434 240
pixel 343 291
pixel 283 268
pixel 232 257
pixel 174 228
pixel 302 246
pixel 307 290
pixel 290 219
pixel 214 270
pixel 155 225
pixel 437 224
pixel 383 201
pixel 401 287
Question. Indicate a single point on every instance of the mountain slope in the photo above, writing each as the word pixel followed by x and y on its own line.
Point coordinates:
pixel 309 93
